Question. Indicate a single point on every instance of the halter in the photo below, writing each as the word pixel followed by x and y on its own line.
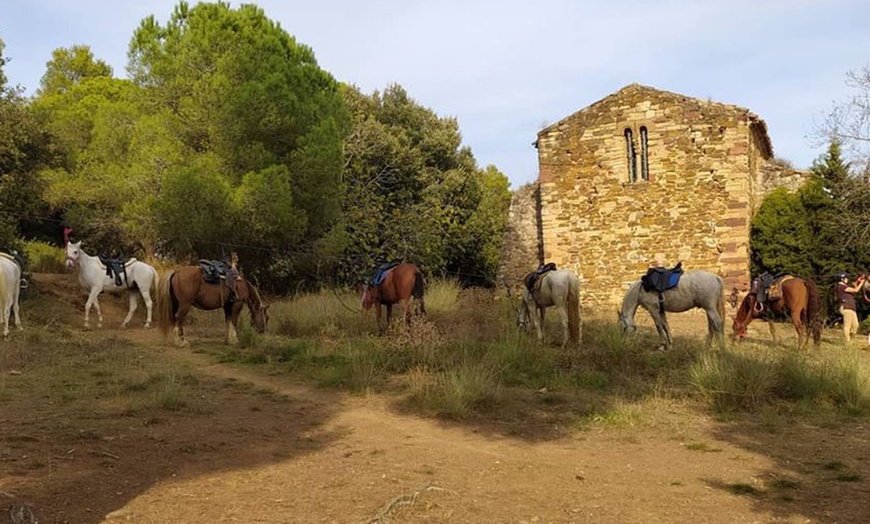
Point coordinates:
pixel 69 258
pixel 758 307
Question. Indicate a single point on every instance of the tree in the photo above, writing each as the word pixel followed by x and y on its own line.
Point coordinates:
pixel 3 62
pixel 25 148
pixel 415 193
pixel 69 67
pixel 238 89
pixel 781 235
pixel 848 123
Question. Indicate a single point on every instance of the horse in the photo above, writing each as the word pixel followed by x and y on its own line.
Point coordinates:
pixel 559 288
pixel 401 285
pixel 696 289
pixel 140 280
pixel 800 300
pixel 10 290
pixel 186 287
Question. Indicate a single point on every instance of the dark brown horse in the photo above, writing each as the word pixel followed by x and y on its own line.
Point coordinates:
pixel 800 300
pixel 186 287
pixel 402 284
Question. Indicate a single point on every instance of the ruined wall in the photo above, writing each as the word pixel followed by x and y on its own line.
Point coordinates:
pixel 773 175
pixel 522 243
pixel 695 208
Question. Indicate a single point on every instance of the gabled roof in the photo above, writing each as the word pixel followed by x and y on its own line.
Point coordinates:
pixel 756 123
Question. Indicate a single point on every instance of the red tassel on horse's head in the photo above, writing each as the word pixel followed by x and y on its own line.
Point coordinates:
pixel 66 232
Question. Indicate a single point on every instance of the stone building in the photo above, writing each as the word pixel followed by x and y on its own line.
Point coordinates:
pixel 644 177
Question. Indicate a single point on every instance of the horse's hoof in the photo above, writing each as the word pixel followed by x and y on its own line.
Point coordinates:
pixel 124 325
pixel 147 325
pixel 182 343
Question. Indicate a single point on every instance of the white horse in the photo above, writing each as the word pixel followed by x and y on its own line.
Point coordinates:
pixel 10 290
pixel 560 288
pixel 141 278
pixel 697 288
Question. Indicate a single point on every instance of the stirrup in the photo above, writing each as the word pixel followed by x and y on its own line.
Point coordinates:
pixel 23 284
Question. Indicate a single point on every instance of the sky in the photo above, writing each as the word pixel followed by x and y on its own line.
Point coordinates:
pixel 506 68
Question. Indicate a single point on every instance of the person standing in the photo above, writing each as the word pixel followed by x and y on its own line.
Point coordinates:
pixel 847 304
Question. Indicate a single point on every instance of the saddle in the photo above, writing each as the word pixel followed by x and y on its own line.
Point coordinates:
pixel 213 271
pixel 382 271
pixel 768 288
pixel 116 268
pixel 533 280
pixel 15 257
pixel 660 279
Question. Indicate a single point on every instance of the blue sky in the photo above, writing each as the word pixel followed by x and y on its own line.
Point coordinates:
pixel 507 68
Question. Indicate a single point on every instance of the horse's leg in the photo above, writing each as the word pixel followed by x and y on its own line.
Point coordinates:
pixel 178 328
pixel 149 305
pixel 406 310
pixel 772 326
pixel 4 318
pixel 714 325
pixel 389 316
pixel 92 297
pixel 798 326
pixel 378 315
pixel 661 327
pixel 563 314
pixel 231 315
pixel 16 295
pixel 134 304
pixel 540 323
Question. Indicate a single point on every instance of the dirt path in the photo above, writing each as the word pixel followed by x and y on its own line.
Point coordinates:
pixel 415 470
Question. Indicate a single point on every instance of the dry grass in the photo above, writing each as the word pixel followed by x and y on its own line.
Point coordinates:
pixel 466 358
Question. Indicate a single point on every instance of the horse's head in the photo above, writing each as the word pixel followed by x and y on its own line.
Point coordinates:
pixel 367 295
pixel 626 323
pixel 522 315
pixel 73 254
pixel 260 317
pixel 744 314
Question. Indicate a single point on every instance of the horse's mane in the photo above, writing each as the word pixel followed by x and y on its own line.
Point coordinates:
pixel 745 308
pixel 253 293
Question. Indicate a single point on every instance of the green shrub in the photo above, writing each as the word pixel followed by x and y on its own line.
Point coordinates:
pixel 745 381
pixel 43 257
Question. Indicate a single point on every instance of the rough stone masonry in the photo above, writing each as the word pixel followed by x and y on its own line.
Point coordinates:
pixel 641 178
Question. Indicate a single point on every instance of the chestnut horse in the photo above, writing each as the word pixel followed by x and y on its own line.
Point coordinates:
pixel 800 300
pixel 402 284
pixel 187 287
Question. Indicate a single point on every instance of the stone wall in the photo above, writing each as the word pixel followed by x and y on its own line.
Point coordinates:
pixel 778 174
pixel 704 162
pixel 521 250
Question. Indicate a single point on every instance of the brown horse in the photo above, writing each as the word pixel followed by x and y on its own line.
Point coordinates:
pixel 402 284
pixel 186 287
pixel 800 300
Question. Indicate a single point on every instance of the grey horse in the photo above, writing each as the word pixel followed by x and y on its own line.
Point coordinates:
pixel 697 288
pixel 560 288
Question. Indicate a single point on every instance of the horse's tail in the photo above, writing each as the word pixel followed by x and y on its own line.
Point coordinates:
pixel 814 310
pixel 575 333
pixel 165 304
pixel 155 281
pixel 720 304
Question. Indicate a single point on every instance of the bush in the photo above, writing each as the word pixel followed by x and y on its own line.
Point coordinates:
pixel 44 258
pixel 745 381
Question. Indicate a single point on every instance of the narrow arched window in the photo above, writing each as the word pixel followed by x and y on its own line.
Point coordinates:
pixel 644 154
pixel 631 157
